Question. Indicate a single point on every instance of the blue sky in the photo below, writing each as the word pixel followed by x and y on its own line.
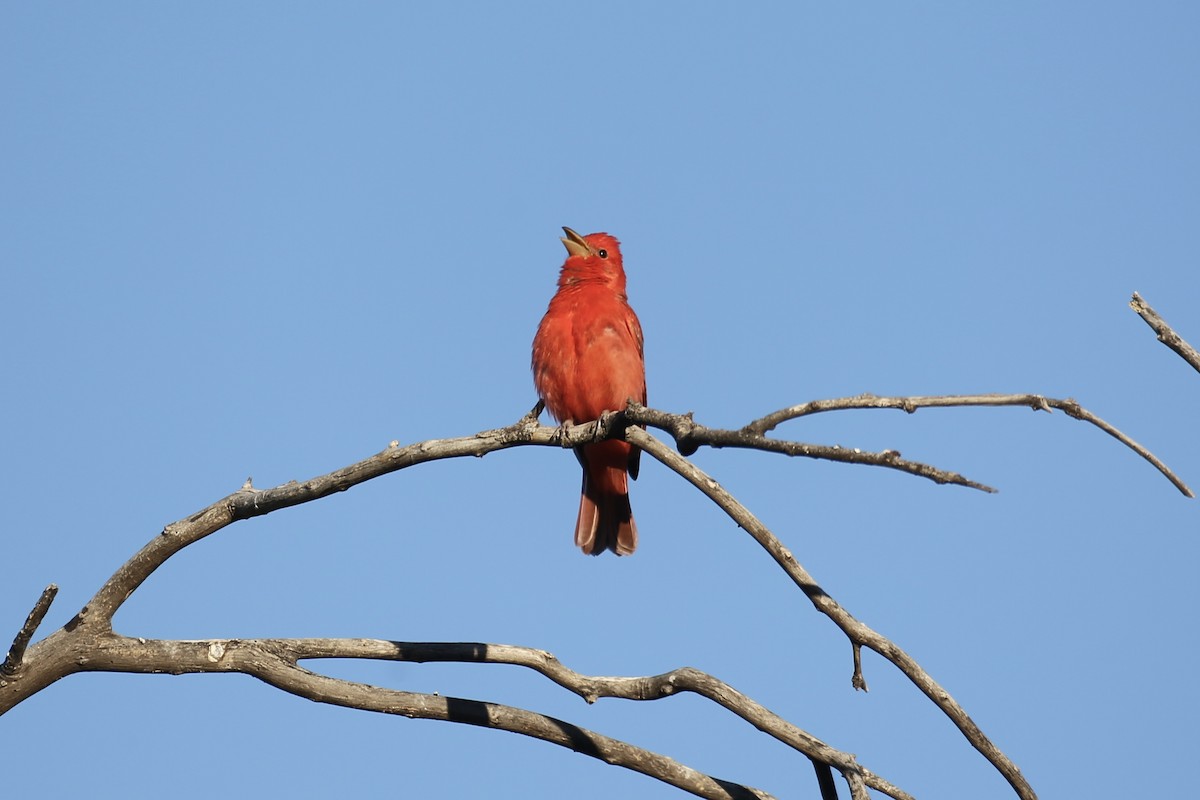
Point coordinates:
pixel 268 240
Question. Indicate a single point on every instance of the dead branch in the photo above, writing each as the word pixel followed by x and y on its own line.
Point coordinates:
pixel 910 405
pixel 858 633
pixel 250 502
pixel 16 653
pixel 111 652
pixel 274 661
pixel 690 436
pixel 87 642
pixel 1166 334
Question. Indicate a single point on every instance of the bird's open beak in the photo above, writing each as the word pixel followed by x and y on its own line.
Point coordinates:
pixel 574 243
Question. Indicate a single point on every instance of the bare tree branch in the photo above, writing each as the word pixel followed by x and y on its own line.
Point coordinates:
pixel 1166 334
pixel 910 404
pixel 690 436
pixel 275 662
pixel 16 653
pixel 106 651
pixel 298 681
pixel 249 502
pixel 857 632
pixel 115 653
pixel 87 642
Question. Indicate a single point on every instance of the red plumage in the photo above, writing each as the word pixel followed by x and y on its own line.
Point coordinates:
pixel 587 359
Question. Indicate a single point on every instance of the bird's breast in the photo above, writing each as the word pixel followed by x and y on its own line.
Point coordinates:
pixel 586 359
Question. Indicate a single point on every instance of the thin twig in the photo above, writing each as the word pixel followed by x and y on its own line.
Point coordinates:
pixel 1166 334
pixel 910 404
pixel 856 631
pixel 857 680
pixel 16 653
pixel 690 436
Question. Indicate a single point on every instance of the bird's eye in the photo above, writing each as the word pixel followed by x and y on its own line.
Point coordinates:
pixel 602 253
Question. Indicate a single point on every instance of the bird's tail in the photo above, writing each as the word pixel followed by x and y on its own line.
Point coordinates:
pixel 605 518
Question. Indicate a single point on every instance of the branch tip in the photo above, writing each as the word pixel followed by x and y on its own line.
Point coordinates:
pixel 857 680
pixel 16 653
pixel 863 401
pixel 1166 334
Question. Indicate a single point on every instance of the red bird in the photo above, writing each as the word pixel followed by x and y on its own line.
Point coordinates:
pixel 587 359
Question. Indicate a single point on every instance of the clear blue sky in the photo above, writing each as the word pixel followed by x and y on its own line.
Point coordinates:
pixel 266 240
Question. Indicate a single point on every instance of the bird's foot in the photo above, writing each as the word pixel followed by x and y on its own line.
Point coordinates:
pixel 560 433
pixel 602 422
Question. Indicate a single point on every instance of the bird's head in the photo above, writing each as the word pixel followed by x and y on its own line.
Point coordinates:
pixel 595 257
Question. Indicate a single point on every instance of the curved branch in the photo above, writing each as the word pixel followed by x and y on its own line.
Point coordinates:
pixel 298 681
pixel 591 688
pixel 1166 334
pixel 111 652
pixel 858 633
pixel 73 647
pixel 690 436
pixel 910 404
pixel 274 661
pixel 250 502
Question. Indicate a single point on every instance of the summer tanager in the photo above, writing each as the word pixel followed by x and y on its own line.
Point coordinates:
pixel 587 359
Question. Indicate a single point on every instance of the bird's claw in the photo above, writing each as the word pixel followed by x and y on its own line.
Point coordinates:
pixel 602 422
pixel 560 433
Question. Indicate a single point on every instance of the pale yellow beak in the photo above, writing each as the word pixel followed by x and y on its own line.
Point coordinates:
pixel 574 243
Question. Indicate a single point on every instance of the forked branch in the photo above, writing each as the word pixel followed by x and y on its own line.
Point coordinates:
pixel 276 661
pixel 858 633
pixel 87 642
pixel 689 435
